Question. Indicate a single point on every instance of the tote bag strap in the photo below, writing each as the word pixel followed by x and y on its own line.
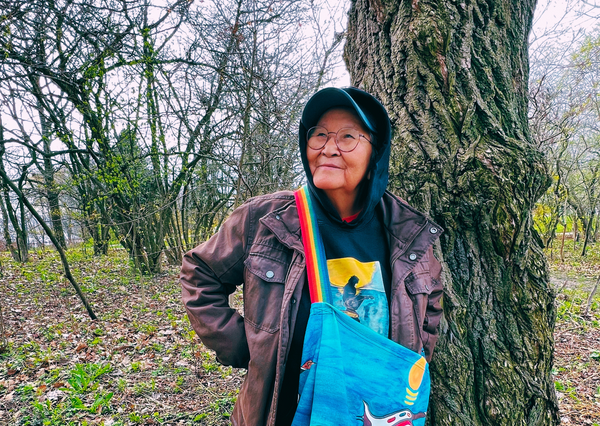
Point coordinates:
pixel 314 252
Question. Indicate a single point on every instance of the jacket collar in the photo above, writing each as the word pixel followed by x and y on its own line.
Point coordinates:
pixel 410 232
pixel 284 223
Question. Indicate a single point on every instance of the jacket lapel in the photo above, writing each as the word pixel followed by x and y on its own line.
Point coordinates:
pixel 285 225
pixel 410 232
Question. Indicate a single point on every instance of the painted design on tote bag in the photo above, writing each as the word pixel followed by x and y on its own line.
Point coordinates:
pixel 399 418
pixel 415 378
pixel 357 290
pixel 405 416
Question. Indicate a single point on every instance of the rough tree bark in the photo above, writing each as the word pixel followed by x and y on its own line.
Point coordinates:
pixel 453 75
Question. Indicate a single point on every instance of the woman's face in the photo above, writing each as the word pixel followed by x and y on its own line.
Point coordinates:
pixel 334 171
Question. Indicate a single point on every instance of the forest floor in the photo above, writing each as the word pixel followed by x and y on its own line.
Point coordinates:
pixel 577 334
pixel 140 362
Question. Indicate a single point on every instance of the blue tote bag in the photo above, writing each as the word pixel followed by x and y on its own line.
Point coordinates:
pixel 350 374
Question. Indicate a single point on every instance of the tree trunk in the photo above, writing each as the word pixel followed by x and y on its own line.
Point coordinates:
pixel 19 250
pixel 595 232
pixel 550 233
pixel 575 231
pixel 95 218
pixel 562 242
pixel 21 231
pixel 47 168
pixel 587 232
pixel 5 230
pixel 453 76
pixel 50 234
pixel 52 193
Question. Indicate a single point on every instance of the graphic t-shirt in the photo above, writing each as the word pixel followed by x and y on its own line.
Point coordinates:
pixel 357 290
pixel 361 252
pixel 359 269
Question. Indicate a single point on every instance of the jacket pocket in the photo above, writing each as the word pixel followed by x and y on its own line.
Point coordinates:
pixel 263 291
pixel 418 283
pixel 418 287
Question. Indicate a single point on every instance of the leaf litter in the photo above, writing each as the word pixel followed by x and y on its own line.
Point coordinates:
pixel 141 363
pixel 577 335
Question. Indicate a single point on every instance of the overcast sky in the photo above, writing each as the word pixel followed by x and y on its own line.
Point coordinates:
pixel 555 21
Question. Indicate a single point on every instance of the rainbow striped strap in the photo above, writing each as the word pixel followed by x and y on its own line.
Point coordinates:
pixel 314 252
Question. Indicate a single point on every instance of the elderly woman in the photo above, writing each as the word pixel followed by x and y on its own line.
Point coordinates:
pixel 378 249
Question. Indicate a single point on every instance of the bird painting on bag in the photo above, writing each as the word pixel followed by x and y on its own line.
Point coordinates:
pixel 400 418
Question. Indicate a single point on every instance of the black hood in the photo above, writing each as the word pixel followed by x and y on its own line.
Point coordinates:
pixel 375 118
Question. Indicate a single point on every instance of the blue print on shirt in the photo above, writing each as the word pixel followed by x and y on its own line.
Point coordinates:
pixel 357 290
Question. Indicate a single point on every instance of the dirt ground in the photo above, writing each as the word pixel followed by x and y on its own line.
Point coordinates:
pixel 141 363
pixel 577 366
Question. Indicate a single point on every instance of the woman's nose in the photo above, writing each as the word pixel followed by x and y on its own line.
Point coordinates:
pixel 330 147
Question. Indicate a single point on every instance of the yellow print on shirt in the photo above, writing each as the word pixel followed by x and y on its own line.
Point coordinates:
pixel 357 290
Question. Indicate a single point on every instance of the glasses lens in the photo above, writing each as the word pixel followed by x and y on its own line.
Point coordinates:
pixel 317 137
pixel 347 139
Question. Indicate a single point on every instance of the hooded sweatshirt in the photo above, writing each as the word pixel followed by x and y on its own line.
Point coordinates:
pixel 357 250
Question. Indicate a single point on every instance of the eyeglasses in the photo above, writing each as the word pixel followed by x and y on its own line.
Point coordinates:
pixel 346 139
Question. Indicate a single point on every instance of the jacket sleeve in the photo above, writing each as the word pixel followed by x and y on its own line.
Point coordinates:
pixel 209 274
pixel 434 307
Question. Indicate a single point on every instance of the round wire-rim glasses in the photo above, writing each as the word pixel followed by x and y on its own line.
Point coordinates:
pixel 346 139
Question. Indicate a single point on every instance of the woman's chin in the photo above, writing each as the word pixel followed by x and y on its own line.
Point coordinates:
pixel 326 184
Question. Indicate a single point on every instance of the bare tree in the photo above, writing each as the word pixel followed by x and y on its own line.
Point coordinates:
pixel 15 216
pixel 164 115
pixel 454 77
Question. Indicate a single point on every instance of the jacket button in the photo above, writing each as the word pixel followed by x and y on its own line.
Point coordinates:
pixel 433 230
pixel 412 256
pixel 270 274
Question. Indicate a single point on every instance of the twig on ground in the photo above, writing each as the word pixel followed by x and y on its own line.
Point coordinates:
pixel 562 287
pixel 589 301
pixel 3 341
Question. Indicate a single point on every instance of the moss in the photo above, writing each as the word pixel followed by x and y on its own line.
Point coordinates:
pixel 454 80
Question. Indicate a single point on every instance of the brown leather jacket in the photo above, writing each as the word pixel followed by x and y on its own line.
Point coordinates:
pixel 260 247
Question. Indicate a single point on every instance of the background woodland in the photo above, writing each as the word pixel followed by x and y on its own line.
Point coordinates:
pixel 130 130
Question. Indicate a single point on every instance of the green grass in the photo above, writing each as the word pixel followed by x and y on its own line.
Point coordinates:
pixel 135 365
pixel 141 362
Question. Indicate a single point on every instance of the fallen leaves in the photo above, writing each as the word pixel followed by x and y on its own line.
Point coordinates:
pixel 149 346
pixel 577 374
pixel 577 341
pixel 157 366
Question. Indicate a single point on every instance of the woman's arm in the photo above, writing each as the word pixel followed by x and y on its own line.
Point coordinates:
pixel 209 274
